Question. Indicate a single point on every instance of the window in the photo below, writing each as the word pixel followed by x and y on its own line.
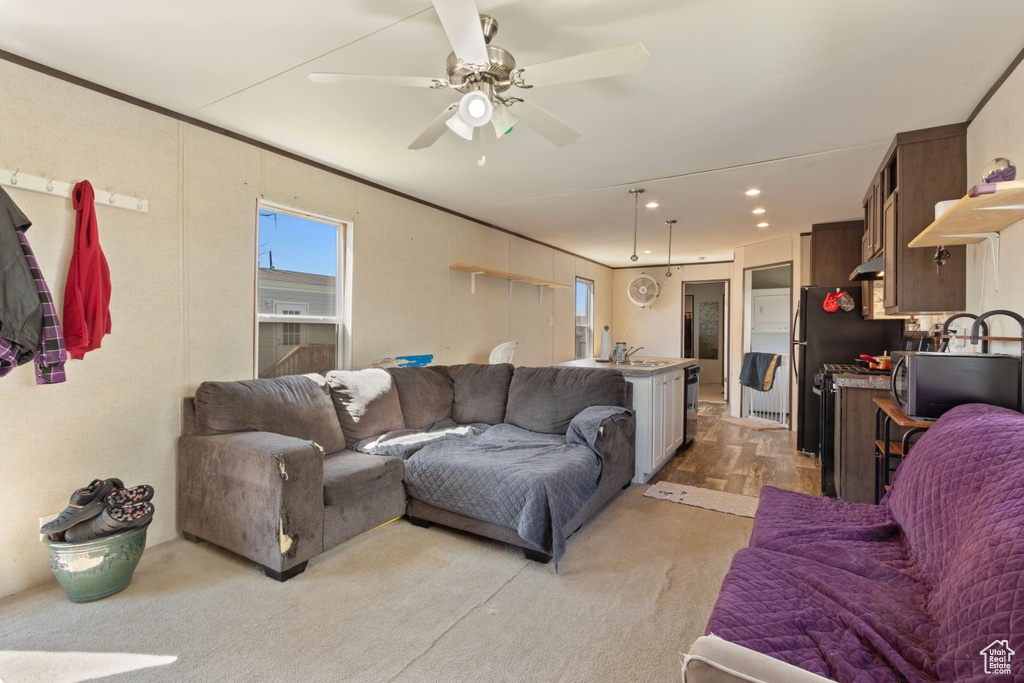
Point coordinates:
pixel 584 318
pixel 299 297
pixel 291 334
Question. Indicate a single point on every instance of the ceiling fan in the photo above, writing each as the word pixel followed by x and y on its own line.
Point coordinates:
pixel 484 73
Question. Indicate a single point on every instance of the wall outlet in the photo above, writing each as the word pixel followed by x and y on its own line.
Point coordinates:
pixel 44 520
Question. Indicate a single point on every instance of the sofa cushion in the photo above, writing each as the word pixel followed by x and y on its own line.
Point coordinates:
pixel 366 402
pixel 295 405
pixel 349 475
pixel 546 399
pixel 959 500
pixel 835 623
pixel 481 392
pixel 425 394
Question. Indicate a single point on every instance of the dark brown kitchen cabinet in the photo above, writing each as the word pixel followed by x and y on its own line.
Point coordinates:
pixel 920 169
pixel 835 252
pixel 872 242
pixel 855 438
pixel 892 250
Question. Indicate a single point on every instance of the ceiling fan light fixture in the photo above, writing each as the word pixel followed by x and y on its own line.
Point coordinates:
pixel 475 108
pixel 503 120
pixel 459 126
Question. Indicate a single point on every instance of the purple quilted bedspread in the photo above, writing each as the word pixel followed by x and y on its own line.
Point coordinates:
pixel 927 586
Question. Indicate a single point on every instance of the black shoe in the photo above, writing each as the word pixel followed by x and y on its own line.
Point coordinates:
pixel 136 494
pixel 85 503
pixel 111 521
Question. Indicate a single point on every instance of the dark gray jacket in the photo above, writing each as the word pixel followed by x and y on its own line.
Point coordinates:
pixel 21 313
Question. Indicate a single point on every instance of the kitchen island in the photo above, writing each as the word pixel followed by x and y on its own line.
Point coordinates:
pixel 666 412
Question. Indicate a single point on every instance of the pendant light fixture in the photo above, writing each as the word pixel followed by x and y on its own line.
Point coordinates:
pixel 668 268
pixel 636 205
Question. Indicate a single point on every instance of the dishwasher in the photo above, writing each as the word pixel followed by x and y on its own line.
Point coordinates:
pixel 692 393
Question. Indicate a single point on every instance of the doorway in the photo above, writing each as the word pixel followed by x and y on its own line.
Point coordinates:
pixel 706 335
pixel 767 312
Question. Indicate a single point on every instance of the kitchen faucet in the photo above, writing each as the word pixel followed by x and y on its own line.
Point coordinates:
pixel 632 351
pixel 944 343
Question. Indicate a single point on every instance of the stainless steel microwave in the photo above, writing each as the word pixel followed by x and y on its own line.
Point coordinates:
pixel 925 385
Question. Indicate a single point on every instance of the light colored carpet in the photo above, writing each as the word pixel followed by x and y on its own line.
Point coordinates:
pixel 399 603
pixel 731 503
pixel 750 423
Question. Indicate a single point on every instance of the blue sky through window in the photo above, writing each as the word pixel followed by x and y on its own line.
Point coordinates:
pixel 297 244
pixel 581 298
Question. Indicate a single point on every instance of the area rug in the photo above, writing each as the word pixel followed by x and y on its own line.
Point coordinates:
pixel 751 423
pixel 731 503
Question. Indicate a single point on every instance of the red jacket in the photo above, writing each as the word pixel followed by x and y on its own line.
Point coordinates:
pixel 87 294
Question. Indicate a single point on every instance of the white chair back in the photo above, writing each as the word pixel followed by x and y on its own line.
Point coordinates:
pixel 502 353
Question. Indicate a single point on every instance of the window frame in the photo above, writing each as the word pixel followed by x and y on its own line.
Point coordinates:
pixel 342 284
pixel 589 284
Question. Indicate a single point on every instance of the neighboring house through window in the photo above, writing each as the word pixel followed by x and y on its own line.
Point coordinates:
pixel 300 316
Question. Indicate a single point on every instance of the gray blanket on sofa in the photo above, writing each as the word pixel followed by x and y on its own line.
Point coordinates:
pixel 533 483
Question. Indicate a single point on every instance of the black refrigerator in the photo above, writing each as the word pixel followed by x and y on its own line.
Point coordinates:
pixel 820 337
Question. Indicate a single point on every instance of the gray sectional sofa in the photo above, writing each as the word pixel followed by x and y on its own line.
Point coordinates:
pixel 280 470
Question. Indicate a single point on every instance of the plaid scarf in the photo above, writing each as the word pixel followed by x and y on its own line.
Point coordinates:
pixel 51 355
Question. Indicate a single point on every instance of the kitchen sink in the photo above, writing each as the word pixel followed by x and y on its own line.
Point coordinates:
pixel 639 363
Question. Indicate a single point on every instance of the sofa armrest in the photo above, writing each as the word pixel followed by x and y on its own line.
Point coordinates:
pixel 257 494
pixel 616 444
pixel 713 660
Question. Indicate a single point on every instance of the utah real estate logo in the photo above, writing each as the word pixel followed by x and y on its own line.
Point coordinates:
pixel 997 656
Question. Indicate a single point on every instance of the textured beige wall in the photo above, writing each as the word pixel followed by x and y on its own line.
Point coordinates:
pixel 998 131
pixel 659 327
pixel 183 279
pixel 117 415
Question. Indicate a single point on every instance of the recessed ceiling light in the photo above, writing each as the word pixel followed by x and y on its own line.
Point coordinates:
pixel 759 210
pixel 652 205
pixel 648 251
pixel 753 191
pixel 762 225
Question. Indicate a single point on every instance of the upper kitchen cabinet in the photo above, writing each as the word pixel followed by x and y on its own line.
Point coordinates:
pixel 920 169
pixel 835 251
pixel 871 242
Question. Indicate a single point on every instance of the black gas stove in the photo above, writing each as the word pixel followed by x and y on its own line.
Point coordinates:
pixel 830 369
pixel 824 386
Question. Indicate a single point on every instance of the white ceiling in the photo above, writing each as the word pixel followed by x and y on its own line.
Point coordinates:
pixel 799 98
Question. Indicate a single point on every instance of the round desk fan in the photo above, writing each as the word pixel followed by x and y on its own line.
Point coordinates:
pixel 643 290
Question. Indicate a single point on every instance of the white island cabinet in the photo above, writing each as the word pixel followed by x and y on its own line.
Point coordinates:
pixel 659 399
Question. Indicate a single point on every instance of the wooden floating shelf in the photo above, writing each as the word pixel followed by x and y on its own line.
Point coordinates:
pixel 512 277
pixel 964 222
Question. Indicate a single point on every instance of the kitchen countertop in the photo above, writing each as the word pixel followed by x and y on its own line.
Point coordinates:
pixel 850 381
pixel 671 365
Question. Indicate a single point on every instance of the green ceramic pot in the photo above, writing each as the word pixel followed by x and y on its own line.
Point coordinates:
pixel 97 569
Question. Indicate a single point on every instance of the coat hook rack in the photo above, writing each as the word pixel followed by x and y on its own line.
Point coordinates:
pixel 52 186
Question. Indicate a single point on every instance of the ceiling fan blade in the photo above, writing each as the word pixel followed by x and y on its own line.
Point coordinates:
pixel 435 129
pixel 461 21
pixel 360 79
pixel 624 59
pixel 544 124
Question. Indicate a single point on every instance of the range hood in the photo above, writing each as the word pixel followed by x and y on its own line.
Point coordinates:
pixel 872 270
